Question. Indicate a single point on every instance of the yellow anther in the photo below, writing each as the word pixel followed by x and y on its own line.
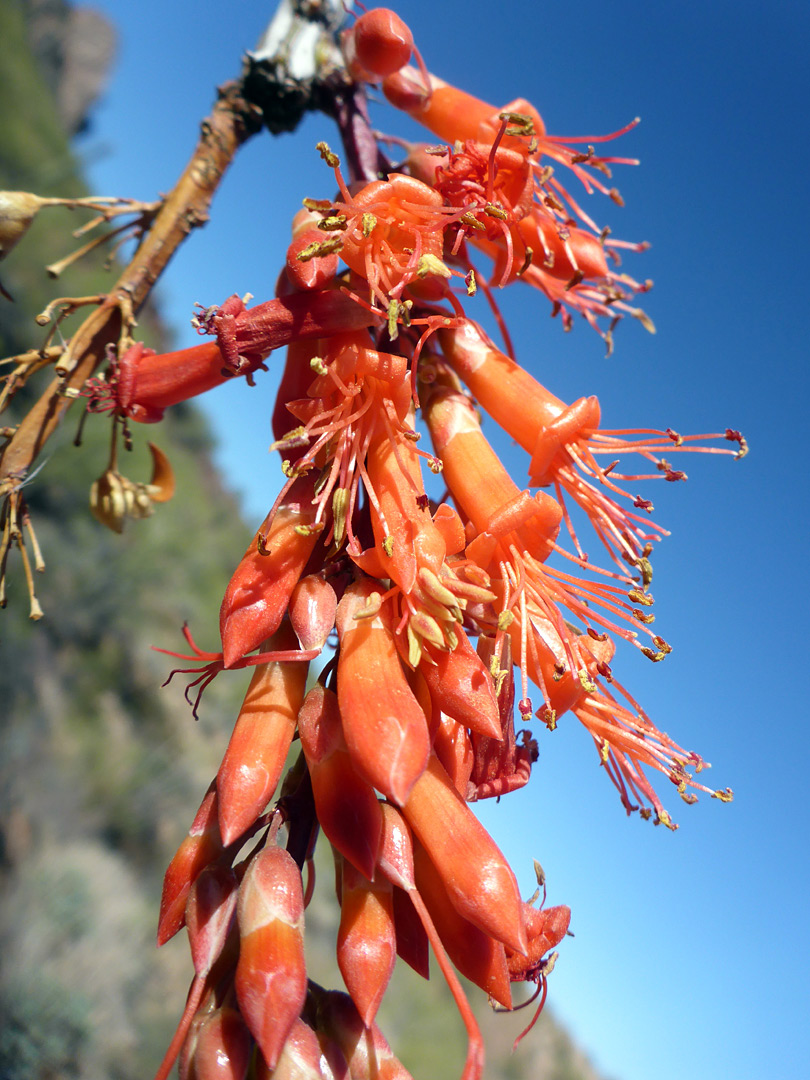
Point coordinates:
pixel 369 224
pixel 331 159
pixel 333 223
pixel 318 249
pixel 340 506
pixel 430 264
pixel 587 683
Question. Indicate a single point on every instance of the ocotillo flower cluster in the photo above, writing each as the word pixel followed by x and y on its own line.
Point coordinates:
pixel 434 604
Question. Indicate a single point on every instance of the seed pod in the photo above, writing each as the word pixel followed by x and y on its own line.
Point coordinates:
pixel 17 211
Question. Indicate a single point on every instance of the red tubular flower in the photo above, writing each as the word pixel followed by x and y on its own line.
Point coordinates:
pixel 479 482
pixel 516 533
pixel 149 383
pixel 393 227
pixel 358 399
pixel 391 234
pixel 566 441
pixel 271 979
pixel 515 208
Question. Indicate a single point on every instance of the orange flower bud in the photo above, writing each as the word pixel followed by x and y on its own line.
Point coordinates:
pixel 382 42
pixel 396 848
pixel 476 954
pixel 253 762
pixel 221 1047
pixel 366 1050
pixel 300 1059
pixel 202 845
pixel 271 978
pixel 312 611
pixel 348 810
pixel 461 686
pixel 453 748
pixel 260 589
pixel 385 728
pixel 403 528
pixel 210 908
pixel 478 879
pixel 313 271
pixel 366 942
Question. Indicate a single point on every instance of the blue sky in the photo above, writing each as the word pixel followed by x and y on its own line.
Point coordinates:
pixel 690 955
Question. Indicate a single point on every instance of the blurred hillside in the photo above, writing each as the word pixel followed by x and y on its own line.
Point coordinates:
pixel 101 770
